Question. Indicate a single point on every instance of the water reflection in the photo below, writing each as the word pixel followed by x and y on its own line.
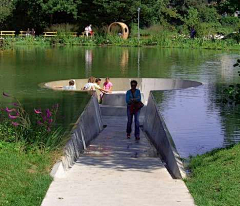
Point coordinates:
pixel 88 62
pixel 124 61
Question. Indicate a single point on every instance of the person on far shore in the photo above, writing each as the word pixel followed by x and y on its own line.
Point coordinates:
pixel 28 32
pixel 33 32
pixel 90 30
pixel 133 96
pixel 192 33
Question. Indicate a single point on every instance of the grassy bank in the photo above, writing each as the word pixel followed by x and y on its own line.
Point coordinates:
pixel 163 40
pixel 24 175
pixel 215 178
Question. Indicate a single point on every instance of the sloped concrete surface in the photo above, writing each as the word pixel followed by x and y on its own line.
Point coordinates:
pixel 115 171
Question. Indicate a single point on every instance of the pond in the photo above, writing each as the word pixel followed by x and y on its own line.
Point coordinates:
pixel 195 120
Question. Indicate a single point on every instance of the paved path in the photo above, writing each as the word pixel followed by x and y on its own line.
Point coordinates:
pixel 118 172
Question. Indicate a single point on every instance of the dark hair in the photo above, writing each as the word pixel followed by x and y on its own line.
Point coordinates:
pixel 71 82
pixel 97 80
pixel 133 81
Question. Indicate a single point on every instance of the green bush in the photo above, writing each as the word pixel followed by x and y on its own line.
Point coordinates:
pixel 230 21
pixel 209 15
pixel 207 29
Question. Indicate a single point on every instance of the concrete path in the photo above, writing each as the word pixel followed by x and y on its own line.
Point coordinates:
pixel 118 172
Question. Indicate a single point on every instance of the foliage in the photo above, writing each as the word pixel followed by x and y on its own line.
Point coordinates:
pixel 192 17
pixel 231 94
pixel 36 128
pixel 6 8
pixel 214 178
pixel 207 29
pixel 156 36
pixel 228 6
pixel 230 21
pixel 62 28
pixel 74 15
pixel 208 15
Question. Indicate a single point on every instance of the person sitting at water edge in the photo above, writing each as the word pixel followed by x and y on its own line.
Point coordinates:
pixel 90 84
pixel 133 96
pixel 96 85
pixel 71 85
pixel 107 85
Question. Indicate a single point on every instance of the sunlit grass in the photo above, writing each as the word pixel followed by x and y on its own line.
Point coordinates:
pixel 215 178
pixel 24 175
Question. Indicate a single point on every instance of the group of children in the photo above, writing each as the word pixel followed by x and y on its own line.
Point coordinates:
pixel 94 83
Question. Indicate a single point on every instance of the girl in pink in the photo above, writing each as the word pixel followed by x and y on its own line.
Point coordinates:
pixel 107 85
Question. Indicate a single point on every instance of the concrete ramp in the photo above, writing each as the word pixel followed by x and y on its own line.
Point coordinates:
pixel 115 171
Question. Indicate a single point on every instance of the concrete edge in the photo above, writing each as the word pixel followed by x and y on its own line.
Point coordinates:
pixel 172 144
pixel 171 141
pixel 163 141
pixel 67 160
pixel 58 170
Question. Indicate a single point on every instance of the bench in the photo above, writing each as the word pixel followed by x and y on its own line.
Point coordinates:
pixel 50 34
pixel 7 33
pixel 24 33
pixel 84 34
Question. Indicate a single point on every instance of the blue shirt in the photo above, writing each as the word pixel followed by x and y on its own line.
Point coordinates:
pixel 129 96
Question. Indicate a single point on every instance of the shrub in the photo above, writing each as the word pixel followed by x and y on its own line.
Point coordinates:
pixel 192 17
pixel 207 29
pixel 230 21
pixel 209 15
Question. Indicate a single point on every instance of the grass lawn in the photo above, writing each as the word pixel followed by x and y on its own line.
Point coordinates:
pixel 24 176
pixel 215 178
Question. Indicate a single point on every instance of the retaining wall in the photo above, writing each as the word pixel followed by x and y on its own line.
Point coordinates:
pixel 156 130
pixel 87 127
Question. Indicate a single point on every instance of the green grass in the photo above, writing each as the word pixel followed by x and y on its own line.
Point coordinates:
pixel 24 176
pixel 215 178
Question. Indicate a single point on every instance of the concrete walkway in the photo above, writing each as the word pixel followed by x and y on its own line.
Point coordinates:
pixel 115 171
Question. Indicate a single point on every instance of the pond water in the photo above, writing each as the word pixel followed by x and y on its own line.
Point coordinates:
pixel 195 120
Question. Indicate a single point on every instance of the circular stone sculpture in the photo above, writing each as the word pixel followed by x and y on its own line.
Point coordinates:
pixel 124 28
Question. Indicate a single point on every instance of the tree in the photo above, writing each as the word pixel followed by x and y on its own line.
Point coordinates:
pixel 229 6
pixel 6 8
pixel 56 8
pixel 192 18
pixel 42 13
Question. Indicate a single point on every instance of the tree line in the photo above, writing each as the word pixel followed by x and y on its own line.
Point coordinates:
pixel 39 14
